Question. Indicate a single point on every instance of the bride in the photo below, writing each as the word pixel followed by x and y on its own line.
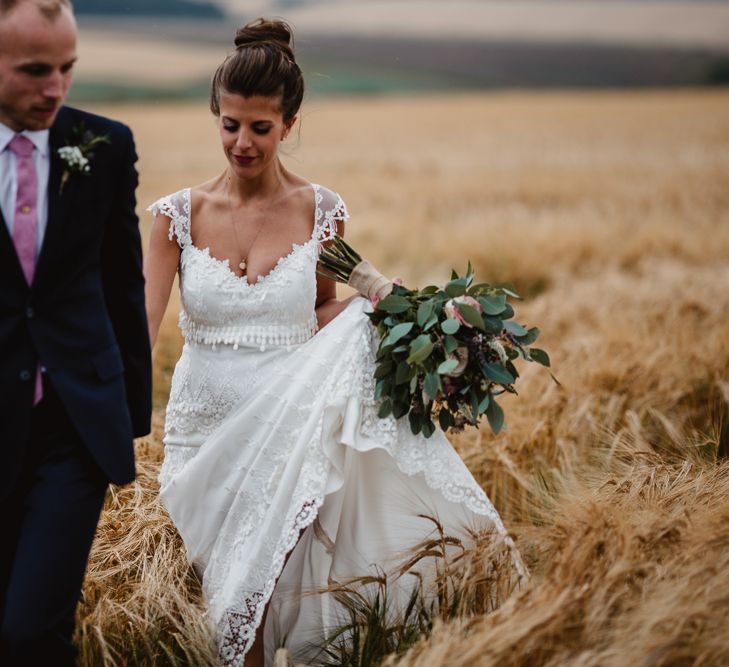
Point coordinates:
pixel 278 474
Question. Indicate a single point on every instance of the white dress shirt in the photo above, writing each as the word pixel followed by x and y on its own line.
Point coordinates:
pixel 8 185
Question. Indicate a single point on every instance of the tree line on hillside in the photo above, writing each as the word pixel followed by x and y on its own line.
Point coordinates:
pixel 197 9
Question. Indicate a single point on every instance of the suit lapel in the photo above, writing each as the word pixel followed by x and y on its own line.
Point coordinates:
pixel 60 197
pixel 8 255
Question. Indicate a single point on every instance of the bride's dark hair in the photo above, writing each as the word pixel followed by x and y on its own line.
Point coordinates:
pixel 263 63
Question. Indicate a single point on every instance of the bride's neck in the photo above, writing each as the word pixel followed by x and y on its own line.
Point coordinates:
pixel 266 184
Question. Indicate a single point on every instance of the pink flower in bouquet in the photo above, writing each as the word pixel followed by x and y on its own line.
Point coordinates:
pixel 452 312
pixel 375 300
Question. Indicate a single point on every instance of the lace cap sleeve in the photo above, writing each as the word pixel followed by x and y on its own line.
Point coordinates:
pixel 330 210
pixel 177 208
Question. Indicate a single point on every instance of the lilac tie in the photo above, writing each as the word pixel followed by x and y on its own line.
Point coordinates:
pixel 25 222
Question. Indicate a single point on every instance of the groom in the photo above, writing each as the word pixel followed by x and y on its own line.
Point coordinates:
pixel 74 349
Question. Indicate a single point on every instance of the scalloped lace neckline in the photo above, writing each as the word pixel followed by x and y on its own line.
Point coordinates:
pixel 225 263
pixel 243 279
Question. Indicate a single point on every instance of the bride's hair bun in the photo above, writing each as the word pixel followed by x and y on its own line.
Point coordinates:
pixel 262 30
pixel 263 63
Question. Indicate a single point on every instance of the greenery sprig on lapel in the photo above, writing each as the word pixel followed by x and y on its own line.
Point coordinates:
pixel 79 151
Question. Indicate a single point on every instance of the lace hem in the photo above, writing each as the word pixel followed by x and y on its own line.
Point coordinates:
pixel 259 335
pixel 237 626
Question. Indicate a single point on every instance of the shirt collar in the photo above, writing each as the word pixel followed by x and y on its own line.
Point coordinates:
pixel 40 139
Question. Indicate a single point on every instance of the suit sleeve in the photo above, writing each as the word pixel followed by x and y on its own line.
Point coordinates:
pixel 123 282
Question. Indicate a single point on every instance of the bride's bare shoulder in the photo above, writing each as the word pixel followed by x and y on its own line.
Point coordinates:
pixel 204 195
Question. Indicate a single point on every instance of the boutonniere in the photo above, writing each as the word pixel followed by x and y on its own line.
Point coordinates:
pixel 79 151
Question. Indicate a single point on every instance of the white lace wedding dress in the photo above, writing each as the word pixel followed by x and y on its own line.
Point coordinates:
pixel 271 430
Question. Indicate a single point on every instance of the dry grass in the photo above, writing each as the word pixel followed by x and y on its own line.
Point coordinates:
pixel 630 569
pixel 142 603
pixel 611 211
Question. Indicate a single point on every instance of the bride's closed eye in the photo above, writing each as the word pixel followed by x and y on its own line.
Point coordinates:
pixel 265 129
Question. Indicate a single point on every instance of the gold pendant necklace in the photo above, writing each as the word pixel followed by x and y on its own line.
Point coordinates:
pixel 243 264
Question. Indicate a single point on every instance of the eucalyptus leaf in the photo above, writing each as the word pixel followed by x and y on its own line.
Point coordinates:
pixel 420 349
pixel 474 404
pixel 428 428
pixel 385 408
pixel 394 304
pixel 431 384
pixel 493 325
pixel 529 337
pixel 495 415
pixel 450 326
pixel 431 322
pixel 397 332
pixel 456 288
pixel 471 315
pixel 400 409
pixel 493 305
pixel 422 354
pixel 484 404
pixel 416 422
pixel 402 374
pixel 425 312
pixel 444 419
pixel 540 356
pixel 497 373
pixel 450 344
pixel 448 366
pixel 383 369
pixel 514 328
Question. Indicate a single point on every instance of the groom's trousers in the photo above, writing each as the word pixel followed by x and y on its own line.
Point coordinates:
pixel 52 512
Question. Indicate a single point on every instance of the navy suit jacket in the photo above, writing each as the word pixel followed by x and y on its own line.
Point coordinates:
pixel 83 317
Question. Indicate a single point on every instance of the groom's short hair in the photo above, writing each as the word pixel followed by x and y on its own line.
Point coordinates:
pixel 49 8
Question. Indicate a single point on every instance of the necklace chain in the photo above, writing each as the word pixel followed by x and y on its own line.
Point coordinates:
pixel 243 264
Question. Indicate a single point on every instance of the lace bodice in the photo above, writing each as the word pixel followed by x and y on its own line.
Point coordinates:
pixel 219 307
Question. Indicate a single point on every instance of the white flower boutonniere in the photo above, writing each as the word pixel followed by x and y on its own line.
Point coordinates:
pixel 77 154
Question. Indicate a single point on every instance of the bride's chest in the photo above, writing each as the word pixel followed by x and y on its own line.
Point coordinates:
pixel 213 294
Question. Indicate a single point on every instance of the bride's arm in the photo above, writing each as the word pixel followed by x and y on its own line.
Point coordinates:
pixel 160 267
pixel 327 305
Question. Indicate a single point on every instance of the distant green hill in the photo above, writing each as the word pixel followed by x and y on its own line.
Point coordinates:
pixel 148 8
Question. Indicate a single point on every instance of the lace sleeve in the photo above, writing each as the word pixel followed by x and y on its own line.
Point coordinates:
pixel 176 207
pixel 330 211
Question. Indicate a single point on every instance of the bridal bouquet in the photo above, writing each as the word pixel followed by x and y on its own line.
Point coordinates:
pixel 446 352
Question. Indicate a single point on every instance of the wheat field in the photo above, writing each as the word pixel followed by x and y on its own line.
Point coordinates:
pixel 609 212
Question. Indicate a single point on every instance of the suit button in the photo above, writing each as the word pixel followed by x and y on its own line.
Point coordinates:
pixel 25 376
pixel 29 312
